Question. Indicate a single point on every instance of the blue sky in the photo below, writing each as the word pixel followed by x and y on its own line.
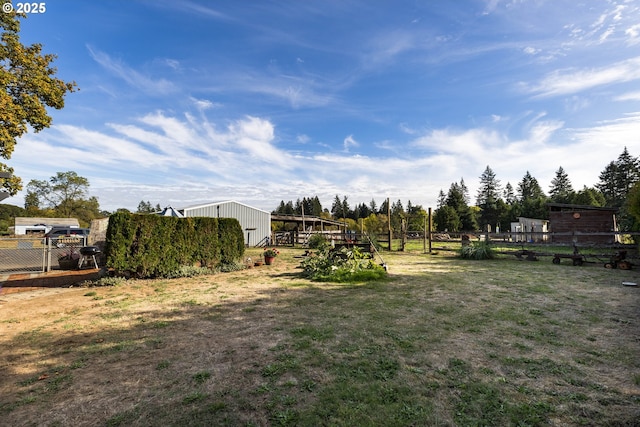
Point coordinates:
pixel 185 102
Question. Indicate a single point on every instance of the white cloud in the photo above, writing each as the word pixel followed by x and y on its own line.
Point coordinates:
pixel 490 6
pixel 204 104
pixel 404 127
pixel 303 139
pixel 629 96
pixel 182 161
pixel 349 142
pixel 131 76
pixel 565 82
pixel 633 34
pixel 576 103
pixel 255 136
pixel 384 48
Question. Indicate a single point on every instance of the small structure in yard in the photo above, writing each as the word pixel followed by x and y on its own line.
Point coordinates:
pixel 529 229
pixel 581 224
pixel 34 225
pixel 256 222
pixel 170 211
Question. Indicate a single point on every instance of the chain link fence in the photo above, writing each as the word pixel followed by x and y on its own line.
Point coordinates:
pixel 38 254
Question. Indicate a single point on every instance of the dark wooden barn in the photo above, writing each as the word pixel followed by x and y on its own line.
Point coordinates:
pixel 582 224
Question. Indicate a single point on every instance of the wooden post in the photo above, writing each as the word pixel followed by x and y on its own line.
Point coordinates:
pixel 424 235
pixel 430 225
pixel 389 223
pixel 403 229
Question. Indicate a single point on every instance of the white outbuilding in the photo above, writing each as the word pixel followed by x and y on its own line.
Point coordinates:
pixel 31 225
pixel 255 222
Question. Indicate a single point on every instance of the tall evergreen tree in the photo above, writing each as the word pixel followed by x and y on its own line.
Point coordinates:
pixel 373 206
pixel 532 199
pixel 316 206
pixel 465 192
pixel 561 189
pixel 442 199
pixel 529 188
pixel 618 177
pixel 509 194
pixel 280 209
pixel 489 190
pixel 288 208
pixel 340 208
pixel 589 197
pixel 446 219
pixel 487 199
pixel 455 197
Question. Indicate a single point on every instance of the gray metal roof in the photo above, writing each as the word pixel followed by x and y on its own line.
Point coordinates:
pixel 203 205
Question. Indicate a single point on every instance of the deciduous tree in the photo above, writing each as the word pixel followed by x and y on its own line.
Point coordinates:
pixel 66 194
pixel 27 87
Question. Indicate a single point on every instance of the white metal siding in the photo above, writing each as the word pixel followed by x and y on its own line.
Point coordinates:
pixel 247 216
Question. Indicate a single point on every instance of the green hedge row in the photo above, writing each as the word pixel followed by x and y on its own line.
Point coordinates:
pixel 157 246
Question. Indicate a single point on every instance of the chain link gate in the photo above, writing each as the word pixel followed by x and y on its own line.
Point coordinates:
pixel 36 254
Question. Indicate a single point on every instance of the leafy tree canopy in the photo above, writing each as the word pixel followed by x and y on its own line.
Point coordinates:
pixel 147 207
pixel 65 194
pixel 28 86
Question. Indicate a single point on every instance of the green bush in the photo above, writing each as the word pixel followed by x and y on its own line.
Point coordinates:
pixel 342 265
pixel 231 266
pixel 157 246
pixel 231 240
pixel 477 250
pixel 316 240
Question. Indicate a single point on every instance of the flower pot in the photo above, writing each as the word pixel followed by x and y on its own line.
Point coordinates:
pixel 269 259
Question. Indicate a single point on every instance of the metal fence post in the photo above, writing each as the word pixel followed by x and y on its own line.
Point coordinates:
pixel 48 248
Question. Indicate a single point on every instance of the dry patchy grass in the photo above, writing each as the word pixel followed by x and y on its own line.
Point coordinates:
pixel 442 342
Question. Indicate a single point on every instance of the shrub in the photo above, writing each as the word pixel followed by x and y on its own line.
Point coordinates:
pixel 343 265
pixel 477 250
pixel 230 240
pixel 231 266
pixel 156 246
pixel 316 241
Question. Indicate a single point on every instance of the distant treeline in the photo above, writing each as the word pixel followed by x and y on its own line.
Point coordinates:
pixel 495 205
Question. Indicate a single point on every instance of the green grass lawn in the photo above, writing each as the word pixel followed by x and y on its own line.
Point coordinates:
pixel 441 342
